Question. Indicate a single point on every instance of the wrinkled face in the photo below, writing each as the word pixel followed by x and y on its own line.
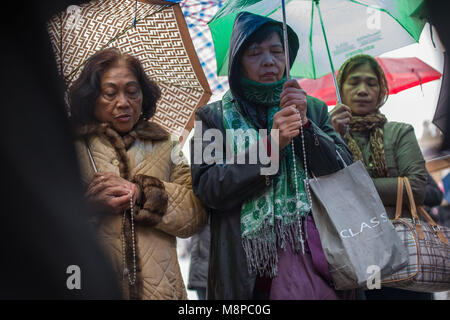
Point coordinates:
pixel 361 90
pixel 264 62
pixel 120 100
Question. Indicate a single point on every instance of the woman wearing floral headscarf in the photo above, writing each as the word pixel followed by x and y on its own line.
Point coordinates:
pixel 388 149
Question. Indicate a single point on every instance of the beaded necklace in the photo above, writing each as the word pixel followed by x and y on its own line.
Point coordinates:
pixel 308 191
pixel 126 272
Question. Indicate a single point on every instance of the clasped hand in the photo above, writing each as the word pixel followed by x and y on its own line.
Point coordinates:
pixel 293 106
pixel 111 192
pixel 341 115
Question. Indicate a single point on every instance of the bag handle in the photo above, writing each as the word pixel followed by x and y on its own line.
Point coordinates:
pixel 413 209
pixel 398 209
pixel 437 230
pixel 412 203
pixel 427 217
pixel 340 157
pixel 399 204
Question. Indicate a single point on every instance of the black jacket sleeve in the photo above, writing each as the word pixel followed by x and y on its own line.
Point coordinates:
pixel 434 195
pixel 220 185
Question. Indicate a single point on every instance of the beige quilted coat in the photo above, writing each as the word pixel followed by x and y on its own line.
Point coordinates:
pixel 159 276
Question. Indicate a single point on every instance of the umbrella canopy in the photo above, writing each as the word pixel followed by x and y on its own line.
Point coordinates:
pixel 440 118
pixel 155 32
pixel 197 14
pixel 438 17
pixel 401 74
pixel 352 27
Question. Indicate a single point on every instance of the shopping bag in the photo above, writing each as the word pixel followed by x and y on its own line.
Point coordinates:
pixel 357 236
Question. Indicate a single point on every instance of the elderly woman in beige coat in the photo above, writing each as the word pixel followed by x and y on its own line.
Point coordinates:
pixel 142 186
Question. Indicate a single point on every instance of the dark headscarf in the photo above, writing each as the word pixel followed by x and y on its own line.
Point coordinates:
pixel 245 25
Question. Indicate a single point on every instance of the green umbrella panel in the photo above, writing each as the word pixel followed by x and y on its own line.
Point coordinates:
pixel 352 27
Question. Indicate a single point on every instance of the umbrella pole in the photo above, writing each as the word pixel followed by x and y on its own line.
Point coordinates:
pixel 328 51
pixel 286 45
pixel 338 95
pixel 91 158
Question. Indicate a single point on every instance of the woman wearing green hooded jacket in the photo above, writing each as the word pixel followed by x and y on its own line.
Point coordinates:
pixel 264 244
pixel 388 149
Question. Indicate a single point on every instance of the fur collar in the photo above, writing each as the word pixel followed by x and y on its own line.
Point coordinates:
pixel 143 130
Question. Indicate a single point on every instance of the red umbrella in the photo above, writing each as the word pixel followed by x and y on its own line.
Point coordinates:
pixel 401 73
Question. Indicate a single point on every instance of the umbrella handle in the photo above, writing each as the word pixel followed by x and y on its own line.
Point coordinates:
pixel 91 158
pixel 286 44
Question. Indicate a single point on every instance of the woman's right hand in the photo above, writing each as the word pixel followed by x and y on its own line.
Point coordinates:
pixel 341 115
pixel 287 121
pixel 111 192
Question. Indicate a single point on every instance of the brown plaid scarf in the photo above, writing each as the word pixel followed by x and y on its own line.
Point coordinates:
pixel 372 123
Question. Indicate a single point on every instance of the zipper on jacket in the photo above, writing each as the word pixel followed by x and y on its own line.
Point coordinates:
pixel 316 140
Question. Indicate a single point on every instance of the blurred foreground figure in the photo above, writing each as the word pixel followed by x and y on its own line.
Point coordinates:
pixel 42 229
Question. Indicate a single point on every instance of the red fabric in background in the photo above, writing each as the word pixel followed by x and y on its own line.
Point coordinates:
pixel 401 74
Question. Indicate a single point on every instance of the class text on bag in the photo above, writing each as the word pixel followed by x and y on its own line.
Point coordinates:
pixel 373 223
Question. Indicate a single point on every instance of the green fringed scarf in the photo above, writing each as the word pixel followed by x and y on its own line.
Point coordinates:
pixel 270 219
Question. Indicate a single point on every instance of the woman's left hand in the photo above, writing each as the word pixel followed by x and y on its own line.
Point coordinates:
pixel 294 95
pixel 103 180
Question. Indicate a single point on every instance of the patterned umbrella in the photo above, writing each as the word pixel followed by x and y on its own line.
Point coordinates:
pixel 155 32
pixel 197 14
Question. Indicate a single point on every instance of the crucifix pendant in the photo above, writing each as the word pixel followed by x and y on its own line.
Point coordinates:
pixel 125 273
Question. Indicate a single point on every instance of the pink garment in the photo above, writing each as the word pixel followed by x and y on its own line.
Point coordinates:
pixel 305 276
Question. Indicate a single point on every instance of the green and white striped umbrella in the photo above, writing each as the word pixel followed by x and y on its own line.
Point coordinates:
pixel 351 27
